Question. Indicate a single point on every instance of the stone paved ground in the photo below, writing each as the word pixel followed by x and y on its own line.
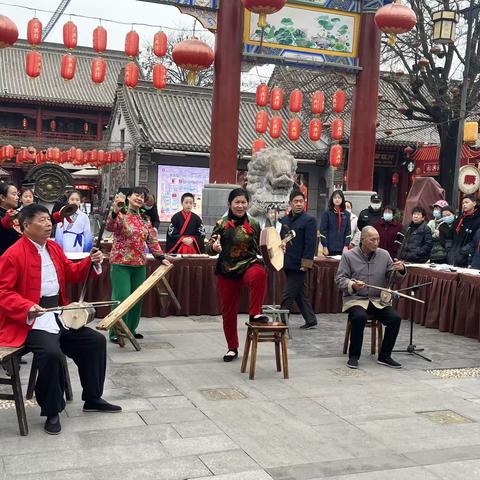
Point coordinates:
pixel 325 422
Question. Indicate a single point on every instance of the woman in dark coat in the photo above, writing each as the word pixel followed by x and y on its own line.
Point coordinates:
pixel 335 230
pixel 417 244
pixel 388 228
pixel 9 229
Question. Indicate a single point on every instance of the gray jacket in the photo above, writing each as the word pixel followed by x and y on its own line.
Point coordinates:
pixel 375 270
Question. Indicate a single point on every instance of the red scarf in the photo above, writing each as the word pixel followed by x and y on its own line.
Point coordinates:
pixel 460 223
pixel 338 211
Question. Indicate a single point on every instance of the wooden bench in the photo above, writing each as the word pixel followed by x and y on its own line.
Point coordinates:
pixel 10 358
pixel 376 331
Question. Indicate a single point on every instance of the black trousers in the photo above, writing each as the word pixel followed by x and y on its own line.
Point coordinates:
pixel 85 346
pixel 358 318
pixel 294 291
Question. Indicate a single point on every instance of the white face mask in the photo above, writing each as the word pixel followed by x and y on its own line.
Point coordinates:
pixel 375 206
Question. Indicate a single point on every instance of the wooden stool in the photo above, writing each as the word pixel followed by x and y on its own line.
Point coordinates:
pixel 278 314
pixel 376 329
pixel 271 332
pixel 10 358
pixel 33 379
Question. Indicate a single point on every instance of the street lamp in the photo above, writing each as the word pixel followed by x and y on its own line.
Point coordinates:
pixel 444 26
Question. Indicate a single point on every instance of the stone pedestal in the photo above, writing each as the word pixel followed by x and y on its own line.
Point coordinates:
pixel 359 198
pixel 214 203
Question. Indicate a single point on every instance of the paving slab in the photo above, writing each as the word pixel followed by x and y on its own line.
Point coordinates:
pixel 233 461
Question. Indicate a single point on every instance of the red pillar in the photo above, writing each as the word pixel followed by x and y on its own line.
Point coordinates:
pixel 365 104
pixel 226 93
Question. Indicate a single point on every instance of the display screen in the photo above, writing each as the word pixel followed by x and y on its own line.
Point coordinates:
pixel 173 182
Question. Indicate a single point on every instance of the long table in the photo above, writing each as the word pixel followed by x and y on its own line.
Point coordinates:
pixel 451 302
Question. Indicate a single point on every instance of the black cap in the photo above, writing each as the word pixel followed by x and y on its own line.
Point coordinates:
pixel 375 198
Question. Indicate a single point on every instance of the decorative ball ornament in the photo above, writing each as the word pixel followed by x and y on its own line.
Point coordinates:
pixel 336 156
pixel 258 144
pixel 261 122
pixel 276 98
pixel 99 70
pixel 262 95
pixel 339 100
pixel 394 19
pixel 8 32
pixel 263 8
pixel 160 44
pixel 100 39
pixel 34 32
pixel 70 35
pixel 276 125
pixel 68 67
pixel 132 44
pixel 33 64
pixel 315 129
pixel 395 179
pixel 192 55
pixel 159 76
pixel 296 101
pixel 132 74
pixel 294 129
pixel 337 129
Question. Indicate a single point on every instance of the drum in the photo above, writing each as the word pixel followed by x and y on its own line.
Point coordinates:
pixel 77 315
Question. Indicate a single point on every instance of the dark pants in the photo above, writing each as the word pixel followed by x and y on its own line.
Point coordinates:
pixel 358 318
pixel 294 291
pixel 86 347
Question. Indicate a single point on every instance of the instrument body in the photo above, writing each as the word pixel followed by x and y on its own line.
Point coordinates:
pixel 272 247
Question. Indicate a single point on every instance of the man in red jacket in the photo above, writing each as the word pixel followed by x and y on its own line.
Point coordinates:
pixel 35 272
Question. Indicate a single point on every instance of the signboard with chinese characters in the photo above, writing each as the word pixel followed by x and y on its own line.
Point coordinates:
pixel 305 33
pixel 386 159
pixel 427 169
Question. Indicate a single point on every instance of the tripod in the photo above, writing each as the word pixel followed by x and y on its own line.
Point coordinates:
pixel 411 347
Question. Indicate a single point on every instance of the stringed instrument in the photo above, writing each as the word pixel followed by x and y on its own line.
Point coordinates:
pixel 272 247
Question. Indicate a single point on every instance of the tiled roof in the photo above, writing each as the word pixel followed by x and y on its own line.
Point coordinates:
pixel 178 118
pixel 49 87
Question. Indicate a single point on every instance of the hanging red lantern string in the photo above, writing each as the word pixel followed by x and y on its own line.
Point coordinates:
pixel 8 32
pixel 100 39
pixel 296 101
pixel 192 55
pixel 70 35
pixel 262 95
pixel 132 74
pixel 395 179
pixel 159 76
pixel 53 154
pixel 294 129
pixel 339 101
pixel 337 129
pixel 276 125
pixel 34 32
pixel 336 155
pixel 101 158
pixel 99 70
pixel 257 145
pixel 132 44
pixel 68 67
pixel 33 64
pixel 65 157
pixel 160 44
pixel 318 102
pixel 261 122
pixel 276 98
pixel 315 129
pixel 263 8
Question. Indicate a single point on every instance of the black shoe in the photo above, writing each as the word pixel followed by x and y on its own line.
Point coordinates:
pixel 114 340
pixel 52 425
pixel 308 326
pixel 258 319
pixel 389 362
pixel 233 355
pixel 352 362
pixel 138 336
pixel 100 405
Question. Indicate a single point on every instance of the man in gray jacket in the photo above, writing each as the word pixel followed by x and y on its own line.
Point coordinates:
pixel 368 264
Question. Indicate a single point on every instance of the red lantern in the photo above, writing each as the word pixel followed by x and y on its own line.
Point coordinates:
pixel 336 156
pixel 160 44
pixel 22 156
pixel 262 95
pixel 339 101
pixel 65 157
pixel 71 154
pixel 395 179
pixel 159 76
pixel 318 102
pixel 100 157
pixel 87 156
pixel 132 41
pixel 70 35
pixel 315 129
pixel 263 8
pixel 86 128
pixel 192 55
pixel 93 157
pixel 108 158
pixel 79 156
pixel 24 123
pixel 120 156
pixel 261 122
pixel 394 19
pixel 337 129
pixel 132 74
pixel 53 126
pixel 276 99
pixel 99 70
pixel 69 66
pixel 34 32
pixel 296 100
pixel 408 151
pixel 294 129
pixel 53 154
pixel 276 125
pixel 8 151
pixel 99 39
pixel 8 32
pixel 258 144
pixel 41 157
pixel 33 64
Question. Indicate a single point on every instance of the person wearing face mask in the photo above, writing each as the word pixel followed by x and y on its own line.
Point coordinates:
pixel 438 253
pixel 354 231
pixel 151 211
pixel 388 228
pixel 417 244
pixel 464 229
pixel 446 229
pixel 335 233
pixel 372 214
